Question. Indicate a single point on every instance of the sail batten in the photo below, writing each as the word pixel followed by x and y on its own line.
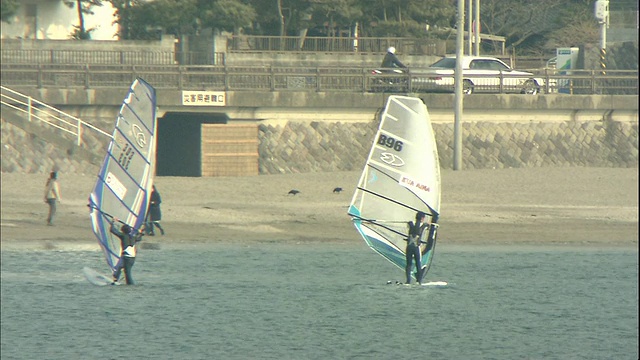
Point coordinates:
pixel 401 177
pixel 123 185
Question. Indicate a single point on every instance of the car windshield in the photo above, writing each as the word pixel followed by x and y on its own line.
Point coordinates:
pixel 447 63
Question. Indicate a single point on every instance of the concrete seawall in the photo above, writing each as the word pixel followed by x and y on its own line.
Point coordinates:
pixel 302 146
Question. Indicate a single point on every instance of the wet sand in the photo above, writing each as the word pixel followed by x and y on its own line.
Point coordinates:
pixel 535 206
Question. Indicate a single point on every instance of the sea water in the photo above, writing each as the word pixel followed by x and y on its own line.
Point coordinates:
pixel 323 301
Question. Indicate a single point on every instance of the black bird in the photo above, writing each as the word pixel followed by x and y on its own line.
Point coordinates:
pixel 293 192
pixel 337 190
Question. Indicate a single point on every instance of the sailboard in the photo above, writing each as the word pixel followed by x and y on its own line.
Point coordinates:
pixel 401 176
pixel 123 185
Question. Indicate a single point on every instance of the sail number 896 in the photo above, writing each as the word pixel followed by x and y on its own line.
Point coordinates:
pixel 390 142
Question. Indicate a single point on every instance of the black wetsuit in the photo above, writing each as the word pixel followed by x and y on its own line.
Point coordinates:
pixel 413 250
pixel 128 254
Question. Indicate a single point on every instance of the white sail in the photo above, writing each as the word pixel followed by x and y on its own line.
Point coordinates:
pixel 123 186
pixel 401 177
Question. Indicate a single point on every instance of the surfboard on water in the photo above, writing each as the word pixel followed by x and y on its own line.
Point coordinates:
pixel 401 177
pixel 96 278
pixel 123 186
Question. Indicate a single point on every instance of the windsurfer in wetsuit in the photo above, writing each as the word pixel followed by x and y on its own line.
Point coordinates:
pixel 128 239
pixel 413 245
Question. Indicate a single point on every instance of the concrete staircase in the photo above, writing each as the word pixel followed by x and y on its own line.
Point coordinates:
pixel 44 132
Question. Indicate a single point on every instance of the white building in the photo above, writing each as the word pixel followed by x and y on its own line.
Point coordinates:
pixel 52 19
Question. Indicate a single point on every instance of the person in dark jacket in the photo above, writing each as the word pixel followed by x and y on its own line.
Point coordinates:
pixel 128 240
pixel 413 246
pixel 155 215
pixel 391 60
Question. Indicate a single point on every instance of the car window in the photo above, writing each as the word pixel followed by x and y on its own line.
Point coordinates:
pixel 496 65
pixel 447 63
pixel 479 65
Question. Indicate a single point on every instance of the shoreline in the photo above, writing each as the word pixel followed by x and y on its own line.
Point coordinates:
pixel 573 206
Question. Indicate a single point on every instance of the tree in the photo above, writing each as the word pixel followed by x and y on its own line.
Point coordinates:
pixel 527 24
pixel 8 9
pixel 229 15
pixel 83 7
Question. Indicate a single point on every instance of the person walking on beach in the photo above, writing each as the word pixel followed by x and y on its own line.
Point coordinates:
pixel 413 246
pixel 155 215
pixel 128 240
pixel 52 196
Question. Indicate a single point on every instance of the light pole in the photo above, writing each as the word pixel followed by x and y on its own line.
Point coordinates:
pixel 602 15
pixel 457 128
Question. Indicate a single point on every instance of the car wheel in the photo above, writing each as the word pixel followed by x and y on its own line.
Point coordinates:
pixel 467 87
pixel 530 88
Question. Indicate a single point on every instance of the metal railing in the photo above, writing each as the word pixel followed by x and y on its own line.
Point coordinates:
pixel 46 114
pixel 271 78
pixel 108 57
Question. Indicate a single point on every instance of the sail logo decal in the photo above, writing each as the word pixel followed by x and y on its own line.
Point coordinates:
pixel 410 183
pixel 115 185
pixel 141 140
pixel 391 159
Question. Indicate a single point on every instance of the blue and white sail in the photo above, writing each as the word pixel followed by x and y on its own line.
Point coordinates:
pixel 401 177
pixel 124 182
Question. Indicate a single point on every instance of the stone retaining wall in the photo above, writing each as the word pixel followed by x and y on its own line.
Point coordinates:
pixel 308 147
pixel 298 147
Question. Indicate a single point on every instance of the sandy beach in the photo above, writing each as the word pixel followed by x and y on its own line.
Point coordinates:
pixel 551 206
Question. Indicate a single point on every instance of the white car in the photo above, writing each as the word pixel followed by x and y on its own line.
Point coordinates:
pixel 479 73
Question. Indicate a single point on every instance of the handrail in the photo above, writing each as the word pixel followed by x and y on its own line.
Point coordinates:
pixel 46 114
pixel 279 78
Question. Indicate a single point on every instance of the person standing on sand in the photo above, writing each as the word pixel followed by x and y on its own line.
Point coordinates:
pixel 128 240
pixel 413 245
pixel 52 196
pixel 155 215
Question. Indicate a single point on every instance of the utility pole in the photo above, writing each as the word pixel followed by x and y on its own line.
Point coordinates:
pixel 476 28
pixel 602 15
pixel 470 28
pixel 457 128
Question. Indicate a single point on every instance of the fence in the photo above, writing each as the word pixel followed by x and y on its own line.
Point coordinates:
pixel 364 45
pixel 106 57
pixel 270 78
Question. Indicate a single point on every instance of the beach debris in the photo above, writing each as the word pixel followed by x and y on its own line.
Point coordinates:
pixel 293 192
pixel 337 190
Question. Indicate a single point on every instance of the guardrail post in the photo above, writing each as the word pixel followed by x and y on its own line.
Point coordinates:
pixel 272 84
pixel 501 82
pixel 318 86
pixel 79 132
pixel 593 82
pixel 29 108
pixel 547 88
pixel 86 76
pixel 39 76
pixel 226 78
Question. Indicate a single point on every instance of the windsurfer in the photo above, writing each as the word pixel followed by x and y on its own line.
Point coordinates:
pixel 413 246
pixel 128 239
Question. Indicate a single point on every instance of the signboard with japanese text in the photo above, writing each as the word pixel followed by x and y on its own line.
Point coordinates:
pixel 204 98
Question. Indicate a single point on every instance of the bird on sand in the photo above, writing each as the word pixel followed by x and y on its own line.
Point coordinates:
pixel 293 192
pixel 337 190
